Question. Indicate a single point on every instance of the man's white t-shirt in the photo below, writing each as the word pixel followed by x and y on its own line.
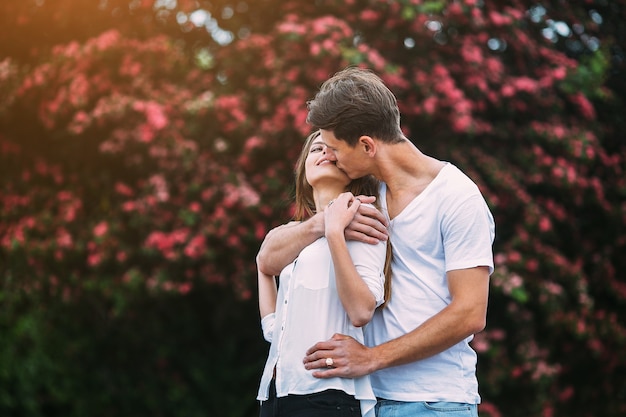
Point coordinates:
pixel 446 227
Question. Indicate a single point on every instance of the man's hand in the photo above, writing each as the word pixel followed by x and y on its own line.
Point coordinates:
pixel 350 359
pixel 368 225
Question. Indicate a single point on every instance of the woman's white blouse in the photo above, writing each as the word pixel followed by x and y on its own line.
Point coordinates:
pixel 308 310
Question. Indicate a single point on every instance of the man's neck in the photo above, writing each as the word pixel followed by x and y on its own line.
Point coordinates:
pixel 407 172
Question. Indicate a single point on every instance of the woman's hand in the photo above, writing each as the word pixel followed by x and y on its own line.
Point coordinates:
pixel 339 213
pixel 368 225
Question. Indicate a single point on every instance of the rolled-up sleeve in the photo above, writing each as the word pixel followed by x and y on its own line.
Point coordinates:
pixel 267 325
pixel 369 261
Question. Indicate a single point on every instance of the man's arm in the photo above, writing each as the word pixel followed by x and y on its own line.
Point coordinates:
pixel 284 243
pixel 464 316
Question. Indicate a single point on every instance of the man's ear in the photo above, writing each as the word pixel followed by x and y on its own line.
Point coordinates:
pixel 368 144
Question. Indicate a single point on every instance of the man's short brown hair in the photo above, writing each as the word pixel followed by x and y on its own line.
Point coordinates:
pixel 356 102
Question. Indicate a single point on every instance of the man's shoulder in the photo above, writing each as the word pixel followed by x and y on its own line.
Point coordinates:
pixel 453 180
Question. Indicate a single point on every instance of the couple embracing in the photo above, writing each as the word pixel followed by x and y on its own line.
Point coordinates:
pixel 383 274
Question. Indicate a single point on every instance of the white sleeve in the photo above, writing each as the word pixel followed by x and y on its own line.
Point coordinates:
pixel 267 325
pixel 369 261
pixel 468 234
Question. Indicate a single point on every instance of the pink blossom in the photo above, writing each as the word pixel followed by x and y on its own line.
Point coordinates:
pixel 558 131
pixel 515 256
pixel 499 19
pixel 330 46
pixel 472 54
pixel 315 48
pixel 507 90
pixel 559 73
pixel 196 247
pixel 369 16
pixel 584 105
pixel 160 187
pixel 156 115
pixel 292 28
pixel 195 207
pixel 553 288
pixel 322 25
pixel 100 229
pixel 129 206
pixel 253 143
pixel 259 230
pixel 526 84
pixel 145 133
pixel 106 39
pixel 461 123
pixel 64 238
pixel 68 212
pixel 545 224
pixel 377 60
pixel 233 241
pixel 123 189
pixel 129 67
pixel 566 394
pixel 494 66
pixel 184 288
pixel 532 265
pixel 249 197
pixel 430 105
pixel 497 334
pixel 455 9
pixel 94 259
pixel 78 89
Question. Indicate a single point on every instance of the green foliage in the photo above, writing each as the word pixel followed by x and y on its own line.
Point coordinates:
pixel 160 355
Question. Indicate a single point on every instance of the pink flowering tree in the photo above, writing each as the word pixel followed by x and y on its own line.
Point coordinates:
pixel 145 155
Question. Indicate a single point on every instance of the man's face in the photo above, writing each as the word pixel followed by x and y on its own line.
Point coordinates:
pixel 348 158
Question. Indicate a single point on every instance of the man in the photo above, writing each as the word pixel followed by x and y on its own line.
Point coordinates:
pixel 441 230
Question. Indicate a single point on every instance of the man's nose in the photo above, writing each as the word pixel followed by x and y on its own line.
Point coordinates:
pixel 329 153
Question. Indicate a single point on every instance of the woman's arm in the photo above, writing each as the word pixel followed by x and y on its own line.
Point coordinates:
pixel 267 294
pixel 356 296
pixel 267 303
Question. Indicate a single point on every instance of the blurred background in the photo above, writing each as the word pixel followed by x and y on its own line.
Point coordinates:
pixel 147 146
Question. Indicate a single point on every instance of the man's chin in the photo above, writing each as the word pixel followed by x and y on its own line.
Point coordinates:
pixel 344 171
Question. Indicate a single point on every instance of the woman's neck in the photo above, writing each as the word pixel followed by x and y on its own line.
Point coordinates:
pixel 323 196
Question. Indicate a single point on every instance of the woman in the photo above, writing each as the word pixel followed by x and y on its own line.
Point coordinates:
pixel 332 287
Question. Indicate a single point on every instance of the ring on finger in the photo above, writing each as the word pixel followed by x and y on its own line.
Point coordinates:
pixel 329 362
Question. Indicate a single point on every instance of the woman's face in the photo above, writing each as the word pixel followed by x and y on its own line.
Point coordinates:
pixel 319 168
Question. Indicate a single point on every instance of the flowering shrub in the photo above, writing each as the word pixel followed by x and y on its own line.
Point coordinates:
pixel 143 159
